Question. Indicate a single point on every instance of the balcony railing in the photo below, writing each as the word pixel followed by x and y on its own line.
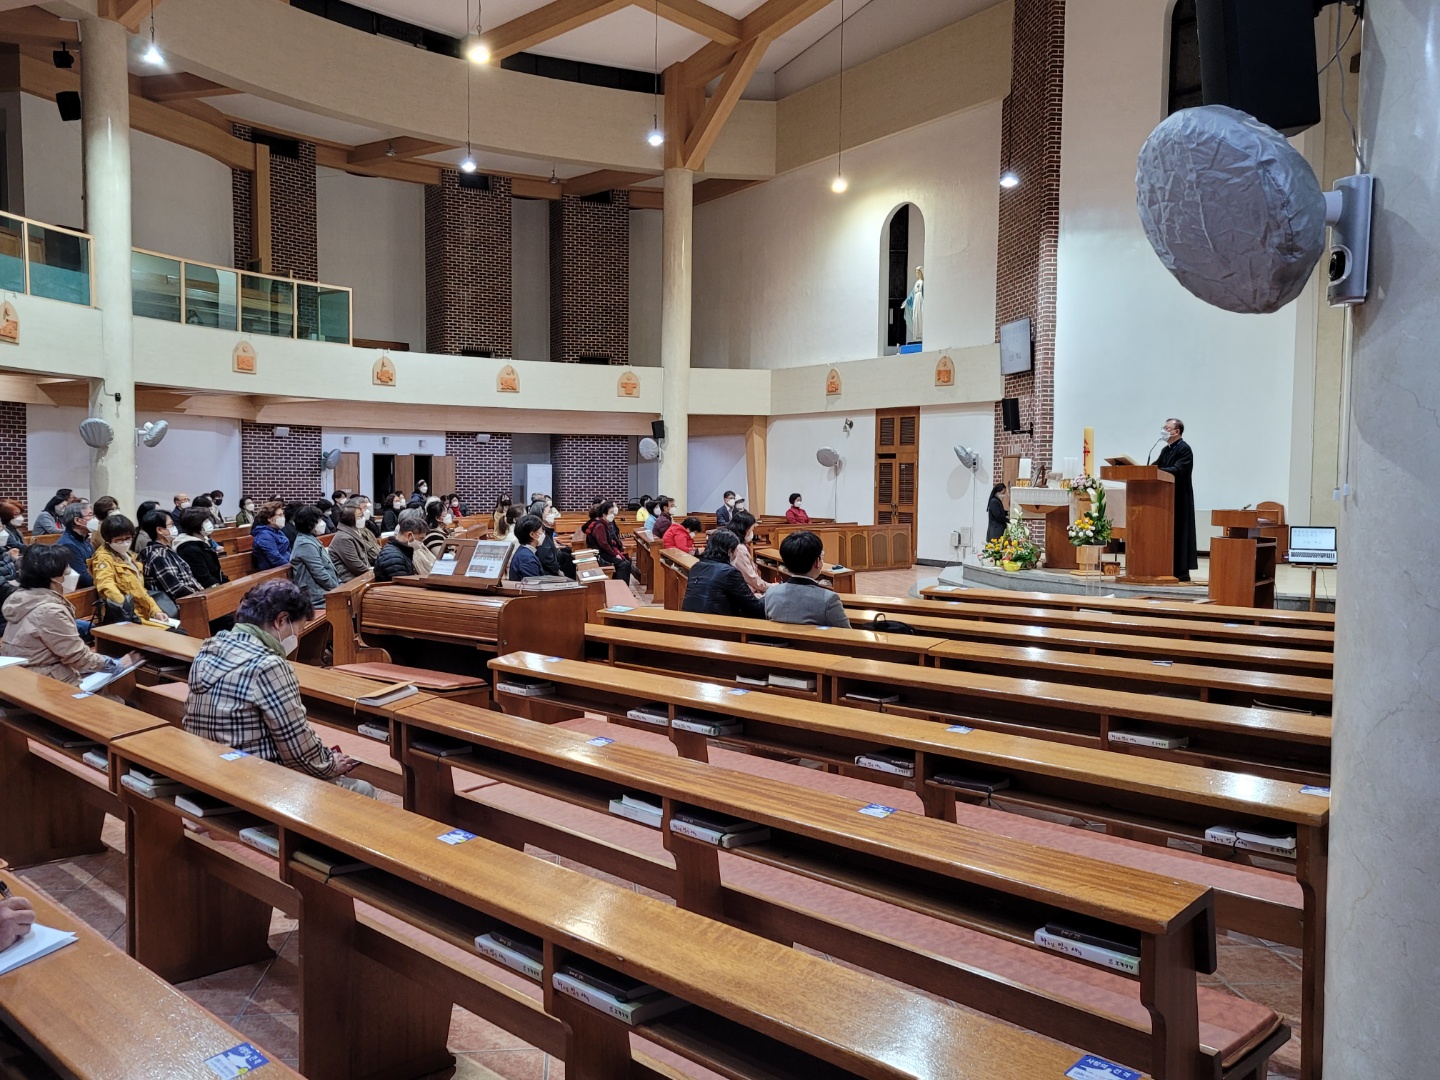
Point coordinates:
pixel 45 260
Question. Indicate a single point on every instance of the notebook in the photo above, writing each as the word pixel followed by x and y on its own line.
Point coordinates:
pixel 40 941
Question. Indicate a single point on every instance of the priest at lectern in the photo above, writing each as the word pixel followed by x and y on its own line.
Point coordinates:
pixel 1178 460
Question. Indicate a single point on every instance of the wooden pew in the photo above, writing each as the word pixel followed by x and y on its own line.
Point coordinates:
pixel 673 577
pixel 1184 609
pixel 1155 802
pixel 376 1001
pixel 199 611
pixel 839 578
pixel 90 1012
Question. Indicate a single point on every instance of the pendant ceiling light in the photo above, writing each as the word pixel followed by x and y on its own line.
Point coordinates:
pixel 1009 178
pixel 153 55
pixel 477 52
pixel 657 133
pixel 467 163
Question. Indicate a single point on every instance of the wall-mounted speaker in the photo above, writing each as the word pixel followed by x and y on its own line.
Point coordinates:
pixel 657 430
pixel 68 102
pixel 1010 418
pixel 1260 58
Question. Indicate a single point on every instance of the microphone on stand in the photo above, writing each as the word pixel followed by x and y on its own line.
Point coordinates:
pixel 1156 443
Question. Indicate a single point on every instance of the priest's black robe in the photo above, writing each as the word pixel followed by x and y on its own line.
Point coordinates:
pixel 1177 459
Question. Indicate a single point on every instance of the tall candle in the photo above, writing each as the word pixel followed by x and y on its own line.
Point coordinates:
pixel 1088 458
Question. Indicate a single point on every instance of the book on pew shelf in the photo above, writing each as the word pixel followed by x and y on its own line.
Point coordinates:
pixel 1096 932
pixel 519 684
pixel 386 694
pixel 1109 958
pixel 378 732
pixel 793 682
pixel 722 830
pixel 654 713
pixel 201 805
pixel 630 1012
pixel 983 781
pixel 152 785
pixel 505 955
pixel 752 680
pixel 440 746
pixel 1156 739
pixel 329 862
pixel 62 737
pixel 637 808
pixel 879 697
pixel 1244 840
pixel 519 941
pixel 708 725
pixel 773 643
pixel 263 838
pixel 612 983
pixel 97 759
pixel 98 680
pixel 899 762
pixel 40 941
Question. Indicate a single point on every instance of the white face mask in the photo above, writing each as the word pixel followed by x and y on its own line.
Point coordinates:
pixel 93 524
pixel 289 643
pixel 17 523
pixel 174 531
pixel 70 580
pixel 1164 434
pixel 320 527
pixel 249 508
pixel 207 528
pixel 121 547
pixel 185 505
pixel 448 519
pixel 280 522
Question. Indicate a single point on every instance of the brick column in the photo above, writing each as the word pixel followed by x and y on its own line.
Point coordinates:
pixel 14 459
pixel 294 250
pixel 280 466
pixel 585 466
pixel 1030 218
pixel 590 277
pixel 483 470
pixel 467 267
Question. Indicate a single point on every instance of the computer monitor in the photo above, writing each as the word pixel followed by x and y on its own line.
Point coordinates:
pixel 1312 544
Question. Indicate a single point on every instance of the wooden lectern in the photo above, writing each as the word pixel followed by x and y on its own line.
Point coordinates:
pixel 1149 523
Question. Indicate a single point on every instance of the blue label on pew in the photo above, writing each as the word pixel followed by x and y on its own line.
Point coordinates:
pixel 1236 624
pixel 552 659
pixel 599 740
pixel 1162 663
pixel 237 1061
pixel 874 809
pixel 455 836
pixel 1312 789
pixel 960 729
pixel 234 755
pixel 1091 1067
pixel 738 691
pixel 619 609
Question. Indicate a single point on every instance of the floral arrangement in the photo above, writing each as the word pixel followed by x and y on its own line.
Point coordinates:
pixel 1014 545
pixel 1091 527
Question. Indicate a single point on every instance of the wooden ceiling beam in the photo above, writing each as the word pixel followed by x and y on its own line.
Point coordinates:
pixel 131 14
pixel 603 180
pixel 699 17
pixel 400 148
pixel 181 86
pixel 539 26
pixel 776 17
pixel 647 198
pixel 35 26
pixel 722 103
pixel 414 172
pixel 710 190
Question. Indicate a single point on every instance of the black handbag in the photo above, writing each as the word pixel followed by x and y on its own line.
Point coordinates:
pixel 882 624
pixel 108 612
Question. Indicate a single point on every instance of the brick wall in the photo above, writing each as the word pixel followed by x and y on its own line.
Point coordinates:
pixel 467 267
pixel 1030 219
pixel 590 278
pixel 14 464
pixel 294 249
pixel 483 470
pixel 286 467
pixel 585 466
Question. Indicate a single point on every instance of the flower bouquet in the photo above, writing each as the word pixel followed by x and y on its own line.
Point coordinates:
pixel 1013 549
pixel 1091 527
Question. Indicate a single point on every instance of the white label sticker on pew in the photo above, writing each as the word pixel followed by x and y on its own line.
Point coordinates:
pixel 235 1062
pixel 960 729
pixel 599 740
pixel 876 810
pixel 455 836
pixel 1312 789
pixel 1091 1067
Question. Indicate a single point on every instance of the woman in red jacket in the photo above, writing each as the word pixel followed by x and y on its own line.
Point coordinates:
pixel 681 535
pixel 795 515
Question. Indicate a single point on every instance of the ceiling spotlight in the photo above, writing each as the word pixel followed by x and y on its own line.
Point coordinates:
pixel 63 57
pixel 1009 179
pixel 468 165
pixel 153 55
pixel 839 185
pixel 656 137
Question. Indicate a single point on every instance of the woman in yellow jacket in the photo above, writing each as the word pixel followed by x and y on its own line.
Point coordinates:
pixel 116 573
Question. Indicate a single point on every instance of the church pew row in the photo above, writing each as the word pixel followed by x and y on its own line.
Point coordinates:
pixel 377 989
pixel 724 660
pixel 1150 801
pixel 839 578
pixel 1185 609
pixel 914 648
pixel 90 1012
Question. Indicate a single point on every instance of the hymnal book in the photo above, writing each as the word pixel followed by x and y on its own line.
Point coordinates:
pixel 1095 932
pixel 378 732
pixel 97 759
pixel 630 1012
pixel 510 957
pixel 1110 958
pixel 440 746
pixel 774 643
pixel 1251 841
pixel 718 829
pixel 40 941
pixel 708 725
pixel 519 941
pixel 386 694
pixel 612 983
pixel 879 697
pixel 328 862
pixel 263 838
pixel 201 805
pixel 899 762
pixel 63 737
pixel 518 684
pixel 1145 738
pixel 793 682
pixel 979 780
pixel 752 680
pixel 151 785
pixel 654 713
pixel 637 808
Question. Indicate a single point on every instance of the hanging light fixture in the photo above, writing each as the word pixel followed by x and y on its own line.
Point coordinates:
pixel 477 52
pixel 840 184
pixel 153 55
pixel 553 178
pixel 1009 178
pixel 467 163
pixel 657 133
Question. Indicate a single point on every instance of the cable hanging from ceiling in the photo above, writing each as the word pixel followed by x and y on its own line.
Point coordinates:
pixel 840 184
pixel 467 164
pixel 657 133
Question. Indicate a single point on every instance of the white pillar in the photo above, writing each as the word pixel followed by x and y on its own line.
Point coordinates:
pixel 678 264
pixel 105 126
pixel 1383 958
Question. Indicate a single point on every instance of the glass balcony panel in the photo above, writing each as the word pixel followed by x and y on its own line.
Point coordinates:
pixel 155 286
pixel 59 264
pixel 307 308
pixel 334 307
pixel 267 306
pixel 12 254
pixel 210 296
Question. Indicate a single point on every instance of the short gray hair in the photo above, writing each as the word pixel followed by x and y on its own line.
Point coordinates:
pixel 73 512
pixel 411 521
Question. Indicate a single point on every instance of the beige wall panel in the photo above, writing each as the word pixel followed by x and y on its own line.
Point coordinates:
pixel 887 382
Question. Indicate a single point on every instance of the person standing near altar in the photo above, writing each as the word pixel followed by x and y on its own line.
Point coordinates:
pixel 1177 459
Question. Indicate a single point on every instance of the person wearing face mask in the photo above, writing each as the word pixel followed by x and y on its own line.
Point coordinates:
pixel 420 494
pixel 41 625
pixel 394 504
pixel 310 566
pixel 743 526
pixel 142 538
pixel 12 541
pixel 397 558
pixel 193 545
pixel 365 517
pixel 327 512
pixel 796 515
pixel 506 531
pixel 182 502
pixel 353 551
pixel 726 510
pixel 47 520
pixel 75 541
pixel 168 577
pixel 216 498
pixel 554 560
pixel 439 522
pixel 497 517
pixel 271 547
pixel 244 693
pixel 681 535
pixel 246 516
pixel 525 563
pixel 599 537
pixel 664 516
pixel 715 587
pixel 119 581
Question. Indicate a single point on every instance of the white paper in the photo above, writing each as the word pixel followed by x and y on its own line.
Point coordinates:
pixel 40 941
pixel 6 661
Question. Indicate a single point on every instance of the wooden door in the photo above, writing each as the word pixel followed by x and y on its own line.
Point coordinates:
pixel 897 466
pixel 347 473
pixel 442 475
pixel 405 474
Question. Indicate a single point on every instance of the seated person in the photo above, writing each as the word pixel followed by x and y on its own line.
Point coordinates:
pixel 439 522
pixel 681 535
pixel 397 557
pixel 801 598
pixel 557 561
pixel 525 562
pixel 166 573
pixel 726 510
pixel 715 586
pixel 75 540
pixel 287 525
pixel 142 538
pixel 119 581
pixel 354 550
pixel 196 548
pixel 243 692
pixel 41 626
pixel 12 520
pixel 246 516
pixel 606 544
pixel 663 517
pixel 310 566
pixel 48 520
pixel 272 546
pixel 506 529
pixel 16 918
pixel 743 526
pixel 796 514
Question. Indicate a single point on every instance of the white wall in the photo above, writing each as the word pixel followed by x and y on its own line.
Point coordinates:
pixel 951 497
pixel 371 237
pixel 54 178
pixel 717 465
pixel 1133 347
pixel 198 454
pixel 530 278
pixel 181 201
pixel 790 465
pixel 369 443
pixel 645 255
pixel 788 273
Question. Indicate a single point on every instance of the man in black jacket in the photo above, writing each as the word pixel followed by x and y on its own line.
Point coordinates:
pixel 397 558
pixel 1178 460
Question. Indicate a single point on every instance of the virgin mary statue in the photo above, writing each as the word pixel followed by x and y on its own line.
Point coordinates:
pixel 915 309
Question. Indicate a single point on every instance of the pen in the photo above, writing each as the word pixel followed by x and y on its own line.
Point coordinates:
pixel 4 892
